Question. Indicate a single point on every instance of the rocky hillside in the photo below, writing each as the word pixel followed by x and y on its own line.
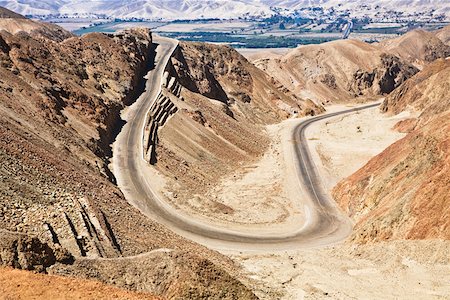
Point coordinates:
pixel 58 103
pixel 8 14
pixel 418 47
pixel 60 100
pixel 402 193
pixel 338 71
pixel 222 104
pixel 343 70
pixel 14 23
pixel 444 35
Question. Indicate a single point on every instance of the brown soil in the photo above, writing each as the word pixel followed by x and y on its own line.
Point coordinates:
pixel 16 284
pixel 171 274
pixel 426 93
pixel 14 23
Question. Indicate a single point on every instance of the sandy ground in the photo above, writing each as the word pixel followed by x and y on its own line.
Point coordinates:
pixel 389 270
pixel 342 145
pixel 257 192
pixel 263 185
pixel 262 195
pixel 265 195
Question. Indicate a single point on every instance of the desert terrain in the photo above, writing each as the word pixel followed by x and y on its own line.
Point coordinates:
pixel 399 269
pixel 60 208
pixel 147 167
pixel 341 146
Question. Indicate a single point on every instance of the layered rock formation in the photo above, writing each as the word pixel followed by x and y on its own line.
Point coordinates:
pixel 60 98
pixel 402 193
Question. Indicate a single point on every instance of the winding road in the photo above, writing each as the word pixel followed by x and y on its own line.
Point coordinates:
pixel 324 223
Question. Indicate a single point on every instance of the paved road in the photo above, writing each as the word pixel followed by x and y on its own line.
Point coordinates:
pixel 324 225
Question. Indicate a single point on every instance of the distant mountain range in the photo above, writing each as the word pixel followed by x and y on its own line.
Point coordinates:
pixel 225 9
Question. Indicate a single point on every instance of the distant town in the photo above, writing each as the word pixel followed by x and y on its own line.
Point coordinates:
pixel 283 29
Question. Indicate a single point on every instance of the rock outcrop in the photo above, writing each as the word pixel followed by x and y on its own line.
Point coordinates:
pixel 29 253
pixel 172 274
pixel 338 71
pixel 383 79
pixel 418 47
pixel 402 193
pixel 343 70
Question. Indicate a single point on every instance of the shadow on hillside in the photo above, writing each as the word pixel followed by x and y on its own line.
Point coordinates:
pixel 117 123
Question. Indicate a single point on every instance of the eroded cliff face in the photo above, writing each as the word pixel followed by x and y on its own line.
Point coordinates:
pixel 60 100
pixel 338 71
pixel 222 104
pixel 418 47
pixel 402 193
pixel 386 77
pixel 79 83
pixel 425 93
pixel 221 73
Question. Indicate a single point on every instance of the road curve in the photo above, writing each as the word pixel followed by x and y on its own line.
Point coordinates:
pixel 324 223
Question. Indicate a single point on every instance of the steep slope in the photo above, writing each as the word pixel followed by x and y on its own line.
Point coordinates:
pixel 338 71
pixel 402 193
pixel 8 14
pixel 424 93
pixel 14 23
pixel 58 105
pixel 222 104
pixel 60 101
pixel 444 35
pixel 418 47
